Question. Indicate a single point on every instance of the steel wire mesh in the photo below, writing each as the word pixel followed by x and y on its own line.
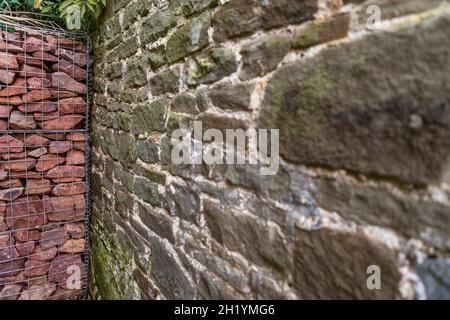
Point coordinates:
pixel 45 82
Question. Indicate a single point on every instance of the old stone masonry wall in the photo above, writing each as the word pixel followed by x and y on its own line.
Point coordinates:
pixel 364 116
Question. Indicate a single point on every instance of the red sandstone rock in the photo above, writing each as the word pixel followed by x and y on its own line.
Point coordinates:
pixel 37 186
pixel 9 47
pixel 65 43
pixel 62 268
pixel 10 194
pixel 20 164
pixel 75 230
pixel 19 120
pixel 11 268
pixel 36 268
pixel 45 56
pixel 63 123
pixel 38 292
pixel 39 83
pixel 67 208
pixel 34 281
pixel 75 157
pixel 23 58
pixel 3 125
pixel 12 37
pixel 32 44
pixel 44 106
pixel 3 226
pixel 67 294
pixel 36 95
pixel 7 77
pixel 63 81
pixel 36 141
pixel 9 263
pixel 9 144
pixel 71 69
pixel 12 101
pixel 53 237
pixel 31 71
pixel 77 136
pixel 26 235
pixel 49 161
pixel 25 175
pixel 18 87
pixel 66 172
pixel 40 117
pixel 72 105
pixel 69 189
pixel 28 211
pixel 25 249
pixel 37 153
pixel 8 61
pixel 13 156
pixel 8 280
pixel 10 183
pixel 45 254
pixel 60 146
pixel 55 136
pixel 79 146
pixel 8 253
pixel 5 241
pixel 73 246
pixel 76 57
pixel 10 292
pixel 66 180
pixel 58 94
pixel 5 111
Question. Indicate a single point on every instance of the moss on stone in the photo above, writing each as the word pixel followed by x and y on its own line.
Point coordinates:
pixel 112 267
pixel 306 38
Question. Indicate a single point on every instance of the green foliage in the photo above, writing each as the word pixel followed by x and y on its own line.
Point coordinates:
pixel 57 10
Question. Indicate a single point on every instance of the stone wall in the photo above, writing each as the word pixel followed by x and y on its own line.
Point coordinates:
pixel 363 112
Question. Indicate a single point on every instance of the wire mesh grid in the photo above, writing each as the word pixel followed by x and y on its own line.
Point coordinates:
pixel 45 83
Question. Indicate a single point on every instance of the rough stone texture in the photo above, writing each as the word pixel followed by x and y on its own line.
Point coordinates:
pixel 364 144
pixel 369 131
pixel 263 55
pixel 435 275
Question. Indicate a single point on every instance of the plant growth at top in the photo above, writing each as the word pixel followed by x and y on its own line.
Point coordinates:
pixel 64 12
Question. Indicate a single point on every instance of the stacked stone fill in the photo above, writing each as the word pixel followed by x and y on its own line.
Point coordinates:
pixel 43 146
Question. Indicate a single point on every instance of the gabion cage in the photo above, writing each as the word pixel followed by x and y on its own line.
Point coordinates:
pixel 44 163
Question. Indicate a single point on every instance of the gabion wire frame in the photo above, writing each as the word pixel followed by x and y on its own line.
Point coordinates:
pixel 45 196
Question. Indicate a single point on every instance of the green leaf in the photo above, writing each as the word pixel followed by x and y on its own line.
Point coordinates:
pixel 65 4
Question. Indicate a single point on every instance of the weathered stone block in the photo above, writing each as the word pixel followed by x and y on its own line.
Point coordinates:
pixel 243 233
pixel 147 191
pixel 232 96
pixel 191 7
pixel 243 17
pixel 183 201
pixel 158 24
pixel 165 81
pixel 188 39
pixel 332 29
pixel 184 103
pixel 150 117
pixel 168 273
pixel 263 55
pixel 369 131
pixel 374 205
pixel 136 73
pixel 340 260
pixel 210 66
pixel 435 275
